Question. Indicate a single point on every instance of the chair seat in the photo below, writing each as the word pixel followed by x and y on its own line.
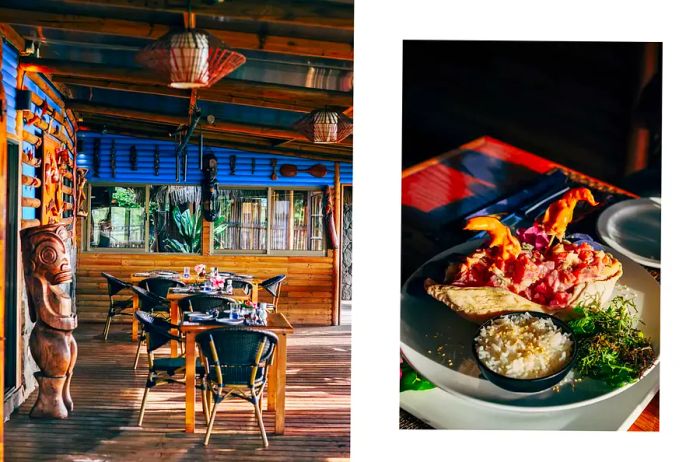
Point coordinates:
pixel 170 365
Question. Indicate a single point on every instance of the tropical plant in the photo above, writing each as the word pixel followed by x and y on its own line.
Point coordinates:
pixel 125 197
pixel 189 230
pixel 220 227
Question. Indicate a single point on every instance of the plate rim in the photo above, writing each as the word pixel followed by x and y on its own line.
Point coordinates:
pixel 608 213
pixel 512 407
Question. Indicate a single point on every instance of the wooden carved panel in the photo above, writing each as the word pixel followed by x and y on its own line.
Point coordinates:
pixel 57 184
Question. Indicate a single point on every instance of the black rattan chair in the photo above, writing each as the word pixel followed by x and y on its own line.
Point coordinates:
pixel 203 303
pixel 241 284
pixel 166 369
pixel 154 305
pixel 116 307
pixel 273 286
pixel 160 285
pixel 236 362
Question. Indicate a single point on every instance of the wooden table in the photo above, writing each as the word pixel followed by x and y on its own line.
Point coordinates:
pixel 277 383
pixel 135 278
pixel 439 192
pixel 175 298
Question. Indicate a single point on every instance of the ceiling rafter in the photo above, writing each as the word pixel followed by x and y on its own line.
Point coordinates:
pixel 335 15
pixel 86 107
pixel 241 142
pixel 130 28
pixel 226 90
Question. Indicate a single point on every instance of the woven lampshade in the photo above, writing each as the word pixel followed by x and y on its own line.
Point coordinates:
pixel 190 58
pixel 325 126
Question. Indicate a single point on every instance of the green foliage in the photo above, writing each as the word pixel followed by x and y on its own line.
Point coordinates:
pixel 125 197
pixel 220 226
pixel 610 348
pixel 189 226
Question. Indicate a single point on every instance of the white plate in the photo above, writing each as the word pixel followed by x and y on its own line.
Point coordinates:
pixel 633 228
pixel 200 317
pixel 443 410
pixel 231 322
pixel 436 341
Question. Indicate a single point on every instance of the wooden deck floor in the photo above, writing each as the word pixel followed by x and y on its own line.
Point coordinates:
pixel 107 394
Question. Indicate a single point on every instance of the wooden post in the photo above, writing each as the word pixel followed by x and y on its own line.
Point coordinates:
pixel 3 250
pixel 335 318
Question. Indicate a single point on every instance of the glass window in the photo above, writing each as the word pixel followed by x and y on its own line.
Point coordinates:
pixel 117 217
pixel 175 219
pixel 297 220
pixel 242 224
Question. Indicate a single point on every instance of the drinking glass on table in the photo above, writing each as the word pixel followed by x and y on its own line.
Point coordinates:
pixel 186 272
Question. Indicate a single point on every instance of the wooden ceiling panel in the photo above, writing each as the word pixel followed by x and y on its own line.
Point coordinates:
pixel 129 28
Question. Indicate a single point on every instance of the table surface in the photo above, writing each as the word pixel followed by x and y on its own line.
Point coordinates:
pixel 438 193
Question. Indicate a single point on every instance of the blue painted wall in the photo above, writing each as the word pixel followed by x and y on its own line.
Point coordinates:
pixel 10 61
pixel 144 174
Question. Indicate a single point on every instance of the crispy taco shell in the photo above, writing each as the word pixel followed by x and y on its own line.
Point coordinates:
pixel 479 304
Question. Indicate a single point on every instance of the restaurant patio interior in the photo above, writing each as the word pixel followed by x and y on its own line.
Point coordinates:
pixel 178 179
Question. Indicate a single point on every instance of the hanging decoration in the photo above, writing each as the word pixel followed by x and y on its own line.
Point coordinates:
pixel 330 221
pixel 133 157
pixel 318 170
pixel 96 158
pixel 156 161
pixel 232 164
pixel 80 203
pixel 191 58
pixel 210 189
pixel 325 126
pixel 273 162
pixel 113 159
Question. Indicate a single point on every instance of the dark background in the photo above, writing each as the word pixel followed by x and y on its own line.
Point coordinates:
pixel 576 103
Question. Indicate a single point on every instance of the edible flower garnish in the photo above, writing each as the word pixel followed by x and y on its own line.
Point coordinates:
pixel 534 235
pixel 509 246
pixel 560 213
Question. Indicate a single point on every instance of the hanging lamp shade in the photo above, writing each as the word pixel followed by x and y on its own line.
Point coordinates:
pixel 190 58
pixel 325 126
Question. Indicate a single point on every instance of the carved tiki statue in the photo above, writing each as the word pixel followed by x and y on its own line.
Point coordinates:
pixel 46 266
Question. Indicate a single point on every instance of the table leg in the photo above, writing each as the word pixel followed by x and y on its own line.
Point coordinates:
pixel 190 391
pixel 281 383
pixel 254 294
pixel 174 319
pixel 134 321
pixel 272 383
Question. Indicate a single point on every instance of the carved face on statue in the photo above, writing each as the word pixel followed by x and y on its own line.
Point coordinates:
pixel 45 254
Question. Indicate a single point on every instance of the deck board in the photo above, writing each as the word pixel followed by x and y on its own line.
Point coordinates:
pixel 107 394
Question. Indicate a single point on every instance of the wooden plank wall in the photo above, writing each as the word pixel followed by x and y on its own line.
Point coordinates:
pixel 307 295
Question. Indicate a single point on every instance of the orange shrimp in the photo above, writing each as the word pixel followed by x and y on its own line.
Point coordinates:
pixel 560 213
pixel 499 233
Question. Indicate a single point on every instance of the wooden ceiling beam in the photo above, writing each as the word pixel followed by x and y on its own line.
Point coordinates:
pixel 128 28
pixel 212 95
pixel 243 143
pixel 225 90
pixel 318 14
pixel 84 107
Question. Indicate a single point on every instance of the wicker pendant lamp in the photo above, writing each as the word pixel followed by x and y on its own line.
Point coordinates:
pixel 325 126
pixel 190 58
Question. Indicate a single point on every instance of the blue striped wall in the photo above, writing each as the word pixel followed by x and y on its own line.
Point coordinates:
pixel 10 61
pixel 145 173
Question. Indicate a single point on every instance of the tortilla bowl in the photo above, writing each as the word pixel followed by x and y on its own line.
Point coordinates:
pixel 479 304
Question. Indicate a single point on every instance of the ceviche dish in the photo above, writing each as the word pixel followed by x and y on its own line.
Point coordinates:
pixel 537 269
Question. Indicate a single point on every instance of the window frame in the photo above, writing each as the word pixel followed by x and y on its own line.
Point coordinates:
pixel 86 247
pixel 268 251
pixel 125 250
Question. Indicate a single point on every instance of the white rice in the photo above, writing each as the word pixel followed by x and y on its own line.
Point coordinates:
pixel 523 346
